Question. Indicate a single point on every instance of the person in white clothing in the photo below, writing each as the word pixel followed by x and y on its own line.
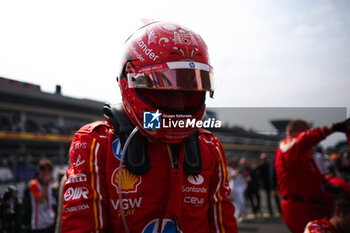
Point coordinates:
pixel 238 186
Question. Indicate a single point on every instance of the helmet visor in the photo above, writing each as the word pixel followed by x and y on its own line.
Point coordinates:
pixel 174 79
pixel 174 101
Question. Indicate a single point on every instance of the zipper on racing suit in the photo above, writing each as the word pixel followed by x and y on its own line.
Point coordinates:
pixel 174 152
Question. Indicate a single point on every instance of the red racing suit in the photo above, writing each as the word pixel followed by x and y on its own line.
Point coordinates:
pixel 299 180
pixel 157 201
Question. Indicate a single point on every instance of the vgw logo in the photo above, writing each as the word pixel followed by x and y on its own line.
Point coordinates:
pixel 151 120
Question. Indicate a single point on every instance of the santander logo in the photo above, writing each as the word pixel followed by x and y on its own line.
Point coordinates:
pixel 196 180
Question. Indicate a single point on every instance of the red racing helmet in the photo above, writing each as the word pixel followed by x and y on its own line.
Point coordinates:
pixel 165 70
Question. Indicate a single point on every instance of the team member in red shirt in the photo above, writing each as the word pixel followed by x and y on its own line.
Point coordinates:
pixel 300 182
pixel 338 223
pixel 148 168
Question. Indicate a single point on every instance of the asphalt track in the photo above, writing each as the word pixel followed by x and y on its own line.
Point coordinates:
pixel 263 225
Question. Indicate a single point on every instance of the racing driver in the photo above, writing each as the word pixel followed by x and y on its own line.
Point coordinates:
pixel 150 167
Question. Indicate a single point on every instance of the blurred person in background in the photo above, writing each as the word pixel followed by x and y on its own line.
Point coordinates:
pixel 39 201
pixel 57 189
pixel 273 184
pixel 338 163
pixel 321 161
pixel 9 210
pixel 238 186
pixel 264 175
pixel 339 221
pixel 56 186
pixel 252 191
pixel 345 158
pixel 331 164
pixel 58 228
pixel 300 182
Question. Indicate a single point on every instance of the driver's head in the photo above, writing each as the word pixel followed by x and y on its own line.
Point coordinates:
pixel 166 68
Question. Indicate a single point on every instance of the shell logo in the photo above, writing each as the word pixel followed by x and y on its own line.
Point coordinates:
pixel 129 182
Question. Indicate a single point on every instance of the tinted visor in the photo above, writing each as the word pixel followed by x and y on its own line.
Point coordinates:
pixel 174 101
pixel 174 79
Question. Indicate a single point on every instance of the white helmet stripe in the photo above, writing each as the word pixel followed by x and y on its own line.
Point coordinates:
pixel 188 65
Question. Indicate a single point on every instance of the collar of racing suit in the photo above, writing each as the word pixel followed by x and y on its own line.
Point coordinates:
pixel 136 158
